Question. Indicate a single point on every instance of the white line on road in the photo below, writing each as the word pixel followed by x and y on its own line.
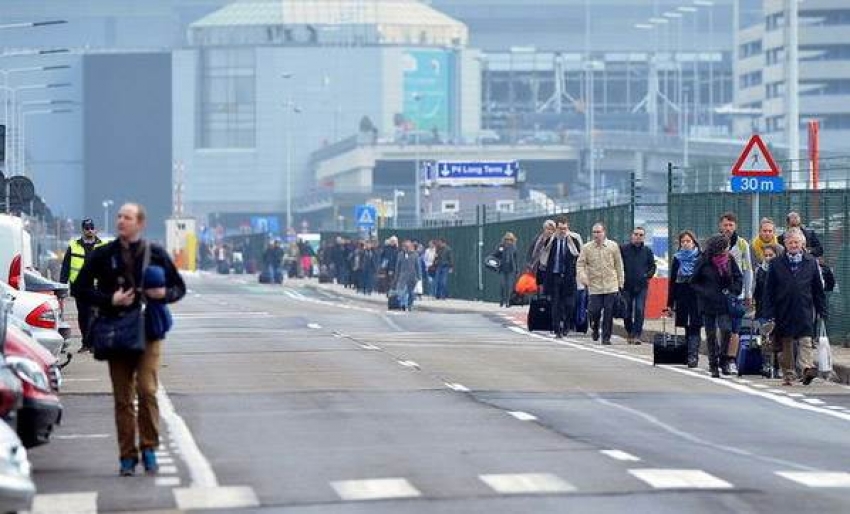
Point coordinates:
pixel 81 379
pixel 620 455
pixel 167 481
pixel 835 407
pixel 167 470
pixel 796 395
pixel 523 416
pixel 409 364
pixel 817 478
pixel 82 436
pixel 679 479
pixel 197 498
pixel 69 503
pixel 527 483
pixel 457 387
pixel 760 386
pixel 375 489
pixel 200 470
pixel 314 326
pixel 814 401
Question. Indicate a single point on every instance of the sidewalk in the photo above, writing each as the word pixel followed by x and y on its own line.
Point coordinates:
pixel 841 355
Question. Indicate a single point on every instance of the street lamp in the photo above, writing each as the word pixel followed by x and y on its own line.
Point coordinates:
pixel 397 193
pixel 417 202
pixel 30 24
pixel 106 205
pixel 290 108
pixel 11 99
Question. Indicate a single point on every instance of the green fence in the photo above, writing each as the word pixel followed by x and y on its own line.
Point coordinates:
pixel 471 243
pixel 827 212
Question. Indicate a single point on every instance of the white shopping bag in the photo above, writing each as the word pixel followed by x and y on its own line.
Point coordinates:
pixel 418 288
pixel 824 350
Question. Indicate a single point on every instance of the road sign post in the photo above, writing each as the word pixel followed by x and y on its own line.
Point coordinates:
pixel 756 172
pixel 365 216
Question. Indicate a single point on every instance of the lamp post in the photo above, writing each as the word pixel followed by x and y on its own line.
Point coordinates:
pixel 289 109
pixel 14 140
pixel 31 24
pixel 397 193
pixel 106 205
pixel 417 216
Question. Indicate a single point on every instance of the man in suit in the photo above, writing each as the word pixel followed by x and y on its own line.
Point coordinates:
pixel 563 251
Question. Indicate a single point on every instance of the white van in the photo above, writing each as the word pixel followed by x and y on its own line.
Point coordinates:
pixel 15 241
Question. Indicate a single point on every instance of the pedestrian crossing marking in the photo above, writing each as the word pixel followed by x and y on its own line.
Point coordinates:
pixel 679 479
pixel 527 483
pixel 375 489
pixel 202 498
pixel 366 218
pixel 819 479
pixel 68 503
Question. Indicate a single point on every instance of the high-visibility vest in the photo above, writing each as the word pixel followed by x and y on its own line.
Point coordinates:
pixel 78 258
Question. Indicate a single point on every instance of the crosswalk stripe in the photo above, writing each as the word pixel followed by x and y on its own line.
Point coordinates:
pixel 375 489
pixel 620 455
pixel 200 498
pixel 527 483
pixel 819 479
pixel 68 503
pixel 679 479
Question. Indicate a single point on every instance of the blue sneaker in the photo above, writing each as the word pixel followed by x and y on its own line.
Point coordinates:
pixel 128 467
pixel 149 460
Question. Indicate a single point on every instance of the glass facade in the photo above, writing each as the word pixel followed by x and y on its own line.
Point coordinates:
pixel 227 98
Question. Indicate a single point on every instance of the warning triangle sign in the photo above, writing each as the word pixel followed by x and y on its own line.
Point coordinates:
pixel 366 218
pixel 755 160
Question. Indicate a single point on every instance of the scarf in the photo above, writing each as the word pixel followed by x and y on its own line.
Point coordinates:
pixel 794 261
pixel 721 262
pixel 687 260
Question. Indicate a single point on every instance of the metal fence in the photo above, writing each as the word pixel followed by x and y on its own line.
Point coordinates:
pixel 697 204
pixel 472 243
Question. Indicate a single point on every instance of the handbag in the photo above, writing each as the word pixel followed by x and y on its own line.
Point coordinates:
pixel 824 349
pixel 418 289
pixel 492 263
pixel 621 307
pixel 124 334
pixel 734 306
pixel 526 284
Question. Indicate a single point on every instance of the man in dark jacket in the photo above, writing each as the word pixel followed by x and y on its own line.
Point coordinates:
pixel 561 277
pixel 794 296
pixel 444 264
pixel 111 280
pixel 75 256
pixel 812 242
pixel 639 267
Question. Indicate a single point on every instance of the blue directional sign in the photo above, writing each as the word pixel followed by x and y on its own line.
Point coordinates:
pixel 365 216
pixel 471 172
pixel 758 185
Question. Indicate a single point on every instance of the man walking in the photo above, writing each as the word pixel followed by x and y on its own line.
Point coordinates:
pixel 444 264
pixel 75 256
pixel 111 280
pixel 813 244
pixel 639 267
pixel 739 250
pixel 407 273
pixel 600 269
pixel 561 278
pixel 794 296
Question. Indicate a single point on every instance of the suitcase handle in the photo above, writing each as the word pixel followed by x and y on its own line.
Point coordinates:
pixel 664 325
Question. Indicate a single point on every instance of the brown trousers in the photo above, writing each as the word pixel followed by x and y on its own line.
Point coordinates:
pixel 805 355
pixel 134 376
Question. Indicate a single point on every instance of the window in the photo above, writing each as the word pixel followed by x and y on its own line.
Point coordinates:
pixel 775 123
pixel 227 98
pixel 452 206
pixel 775 21
pixel 505 206
pixel 750 49
pixel 775 89
pixel 825 53
pixel 750 79
pixel 775 56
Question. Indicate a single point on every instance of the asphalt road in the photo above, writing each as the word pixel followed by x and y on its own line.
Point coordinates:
pixel 288 399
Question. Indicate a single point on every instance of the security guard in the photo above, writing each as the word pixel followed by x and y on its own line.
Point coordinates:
pixel 76 254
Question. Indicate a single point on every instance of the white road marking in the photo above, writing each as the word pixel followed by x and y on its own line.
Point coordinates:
pixel 368 346
pixel 457 387
pixel 796 395
pixel 167 470
pixel 375 489
pixel 777 391
pixel 167 481
pixel 835 407
pixel 222 315
pixel 527 483
pixel 201 472
pixel 759 386
pixel 197 498
pixel 81 379
pixel 620 455
pixel 81 436
pixel 164 460
pixel 743 381
pixel 817 478
pixel 69 503
pixel 314 326
pixel 679 479
pixel 523 416
pixel 409 364
pixel 814 401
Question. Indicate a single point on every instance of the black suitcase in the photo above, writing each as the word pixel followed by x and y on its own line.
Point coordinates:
pixel 393 301
pixel 669 348
pixel 539 313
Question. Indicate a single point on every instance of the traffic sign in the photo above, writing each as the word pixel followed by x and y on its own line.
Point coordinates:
pixel 473 172
pixel 755 160
pixel 758 185
pixel 365 216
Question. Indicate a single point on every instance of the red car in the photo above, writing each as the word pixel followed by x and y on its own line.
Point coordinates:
pixel 40 376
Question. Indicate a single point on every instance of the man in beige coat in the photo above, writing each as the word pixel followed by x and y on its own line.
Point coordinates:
pixel 600 269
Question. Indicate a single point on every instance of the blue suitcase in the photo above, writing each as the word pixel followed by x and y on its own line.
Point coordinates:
pixel 749 361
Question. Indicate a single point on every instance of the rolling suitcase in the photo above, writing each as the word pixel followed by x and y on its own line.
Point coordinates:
pixel 393 301
pixel 749 360
pixel 669 348
pixel 539 313
pixel 265 278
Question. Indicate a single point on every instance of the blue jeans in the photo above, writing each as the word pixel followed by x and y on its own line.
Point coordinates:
pixel 441 289
pixel 406 295
pixel 635 311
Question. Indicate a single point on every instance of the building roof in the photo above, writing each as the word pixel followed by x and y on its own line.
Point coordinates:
pixel 391 21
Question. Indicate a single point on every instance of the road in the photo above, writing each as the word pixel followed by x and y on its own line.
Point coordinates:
pixel 294 400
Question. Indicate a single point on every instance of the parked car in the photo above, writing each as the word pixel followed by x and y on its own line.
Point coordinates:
pixel 38 283
pixel 16 486
pixel 40 314
pixel 41 379
pixel 11 389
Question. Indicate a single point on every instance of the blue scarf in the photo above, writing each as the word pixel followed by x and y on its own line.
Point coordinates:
pixel 794 261
pixel 687 260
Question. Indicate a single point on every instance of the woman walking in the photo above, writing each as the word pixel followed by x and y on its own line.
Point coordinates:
pixel 681 297
pixel 507 268
pixel 717 281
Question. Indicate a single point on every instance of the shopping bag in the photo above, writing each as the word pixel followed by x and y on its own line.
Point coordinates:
pixel 417 289
pixel 526 284
pixel 824 349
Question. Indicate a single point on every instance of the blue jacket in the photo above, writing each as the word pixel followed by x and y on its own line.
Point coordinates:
pixel 158 320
